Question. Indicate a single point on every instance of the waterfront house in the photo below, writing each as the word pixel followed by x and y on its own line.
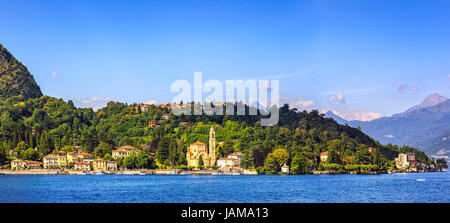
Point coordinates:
pixel 228 163
pixel 82 166
pixel 323 156
pixel 17 164
pixel 371 149
pixel 111 166
pixel 285 168
pixel 404 160
pixel 99 164
pixel 33 164
pixel 62 158
pixel 50 161
pixel 123 151
pixel 233 161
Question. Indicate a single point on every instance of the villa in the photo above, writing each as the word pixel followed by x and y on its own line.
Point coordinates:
pixel 51 161
pixel 405 159
pixel 99 164
pixel 233 161
pixel 83 166
pixel 123 151
pixel 33 164
pixel 17 164
pixel 111 166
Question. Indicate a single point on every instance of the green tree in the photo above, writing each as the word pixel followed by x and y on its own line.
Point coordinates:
pixel 142 160
pixel 129 162
pixel 271 165
pixel 162 153
pixel 29 154
pixel 281 156
pixel 299 164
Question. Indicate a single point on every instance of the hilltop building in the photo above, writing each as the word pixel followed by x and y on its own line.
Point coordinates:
pixel 199 149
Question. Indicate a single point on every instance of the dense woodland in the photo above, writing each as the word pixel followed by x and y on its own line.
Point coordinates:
pixel 34 127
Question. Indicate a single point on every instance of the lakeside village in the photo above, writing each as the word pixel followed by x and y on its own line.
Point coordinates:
pixel 201 159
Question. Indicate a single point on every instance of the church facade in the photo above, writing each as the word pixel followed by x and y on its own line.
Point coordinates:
pixel 199 149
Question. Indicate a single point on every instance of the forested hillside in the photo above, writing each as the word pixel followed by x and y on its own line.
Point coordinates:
pixel 15 79
pixel 35 127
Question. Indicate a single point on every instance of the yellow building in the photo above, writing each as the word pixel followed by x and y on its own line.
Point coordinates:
pixel 50 161
pixel 55 161
pixel 83 166
pixel 17 164
pixel 199 149
pixel 123 151
pixel 99 164
pixel 71 157
pixel 77 156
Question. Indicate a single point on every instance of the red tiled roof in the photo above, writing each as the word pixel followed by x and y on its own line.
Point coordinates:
pixel 50 156
pixel 198 143
pixel 81 163
pixel 33 162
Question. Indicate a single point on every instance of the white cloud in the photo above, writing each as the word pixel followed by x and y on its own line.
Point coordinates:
pixel 354 114
pixel 94 102
pixel 389 136
pixel 301 104
pixel 339 97
pixel 54 75
pixel 151 102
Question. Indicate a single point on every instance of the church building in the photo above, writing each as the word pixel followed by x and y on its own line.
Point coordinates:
pixel 199 149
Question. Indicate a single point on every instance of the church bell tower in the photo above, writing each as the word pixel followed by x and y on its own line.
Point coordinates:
pixel 212 147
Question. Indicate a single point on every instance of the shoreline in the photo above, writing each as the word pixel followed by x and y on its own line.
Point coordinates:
pixel 178 172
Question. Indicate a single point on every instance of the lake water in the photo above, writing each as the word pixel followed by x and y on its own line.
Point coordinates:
pixel 247 189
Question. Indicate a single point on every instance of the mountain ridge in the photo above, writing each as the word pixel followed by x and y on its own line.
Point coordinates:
pixel 425 126
pixel 15 79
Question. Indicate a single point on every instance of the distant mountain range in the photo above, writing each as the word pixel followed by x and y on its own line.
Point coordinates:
pixel 425 126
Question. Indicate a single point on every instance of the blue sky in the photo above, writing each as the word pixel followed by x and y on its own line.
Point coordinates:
pixel 362 59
